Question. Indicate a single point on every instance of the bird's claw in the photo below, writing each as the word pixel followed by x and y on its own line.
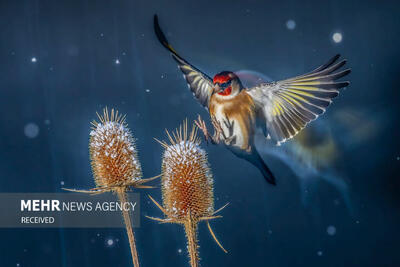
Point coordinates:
pixel 218 131
pixel 231 139
pixel 229 124
pixel 200 123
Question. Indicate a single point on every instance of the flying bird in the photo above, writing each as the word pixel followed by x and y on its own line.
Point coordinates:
pixel 281 109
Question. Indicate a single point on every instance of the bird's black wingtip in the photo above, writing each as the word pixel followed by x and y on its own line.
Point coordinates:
pixel 160 35
pixel 157 29
pixel 333 59
pixel 155 20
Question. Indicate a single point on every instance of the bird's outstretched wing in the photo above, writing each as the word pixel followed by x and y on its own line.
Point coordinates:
pixel 285 107
pixel 199 83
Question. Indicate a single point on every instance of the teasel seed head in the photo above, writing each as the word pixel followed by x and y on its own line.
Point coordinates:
pixel 187 181
pixel 187 187
pixel 113 152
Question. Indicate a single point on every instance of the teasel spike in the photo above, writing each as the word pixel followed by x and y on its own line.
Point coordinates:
pixel 115 164
pixel 215 238
pixel 187 186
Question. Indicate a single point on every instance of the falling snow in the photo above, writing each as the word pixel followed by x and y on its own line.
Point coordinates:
pixel 337 37
pixel 110 242
pixel 31 130
pixel 291 24
pixel 331 230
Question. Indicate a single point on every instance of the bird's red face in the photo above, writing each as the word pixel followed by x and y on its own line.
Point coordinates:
pixel 222 83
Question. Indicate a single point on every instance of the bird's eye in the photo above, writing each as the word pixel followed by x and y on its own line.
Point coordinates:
pixel 225 84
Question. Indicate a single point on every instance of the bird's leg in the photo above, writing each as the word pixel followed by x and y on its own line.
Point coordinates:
pixel 218 131
pixel 201 124
pixel 231 138
pixel 215 138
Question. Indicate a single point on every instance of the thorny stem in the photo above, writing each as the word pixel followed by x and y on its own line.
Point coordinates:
pixel 191 235
pixel 127 220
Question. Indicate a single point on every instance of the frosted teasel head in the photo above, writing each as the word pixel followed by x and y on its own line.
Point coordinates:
pixel 187 181
pixel 113 152
pixel 113 155
pixel 187 185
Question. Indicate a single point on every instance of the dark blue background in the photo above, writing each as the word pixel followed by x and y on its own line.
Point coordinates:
pixel 76 45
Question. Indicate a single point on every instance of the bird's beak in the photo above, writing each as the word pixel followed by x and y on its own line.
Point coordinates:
pixel 217 88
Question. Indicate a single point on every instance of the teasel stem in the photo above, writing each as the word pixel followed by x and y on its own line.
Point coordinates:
pixel 191 234
pixel 128 225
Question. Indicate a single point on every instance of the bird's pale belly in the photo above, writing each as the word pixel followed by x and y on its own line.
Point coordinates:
pixel 237 118
pixel 233 127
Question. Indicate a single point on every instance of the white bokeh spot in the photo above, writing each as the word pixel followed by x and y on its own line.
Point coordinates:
pixel 109 242
pixel 31 130
pixel 331 230
pixel 337 37
pixel 291 24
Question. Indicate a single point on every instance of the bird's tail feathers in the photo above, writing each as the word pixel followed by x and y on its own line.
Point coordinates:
pixel 257 161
